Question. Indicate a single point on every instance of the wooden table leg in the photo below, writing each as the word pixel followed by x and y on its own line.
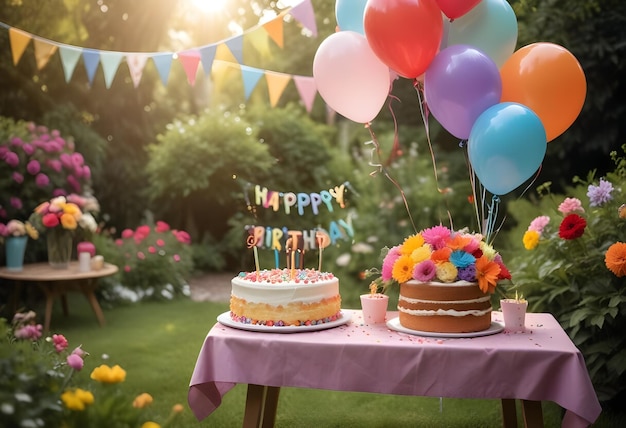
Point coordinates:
pixel 88 291
pixel 48 313
pixel 533 415
pixel 509 413
pixel 261 404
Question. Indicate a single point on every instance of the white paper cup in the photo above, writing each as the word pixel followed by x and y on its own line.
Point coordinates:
pixel 514 313
pixel 374 307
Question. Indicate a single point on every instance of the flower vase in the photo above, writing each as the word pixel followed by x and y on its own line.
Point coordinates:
pixel 15 248
pixel 59 248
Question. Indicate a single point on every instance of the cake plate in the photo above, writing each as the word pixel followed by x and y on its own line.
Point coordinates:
pixel 225 319
pixel 394 324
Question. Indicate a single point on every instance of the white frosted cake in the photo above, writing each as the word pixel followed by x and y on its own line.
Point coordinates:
pixel 282 297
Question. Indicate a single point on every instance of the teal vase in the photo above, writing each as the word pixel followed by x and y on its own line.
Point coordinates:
pixel 59 247
pixel 15 248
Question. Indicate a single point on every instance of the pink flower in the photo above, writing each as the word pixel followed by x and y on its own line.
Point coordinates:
pixel 60 342
pixel 12 159
pixel 29 332
pixel 127 233
pixel 539 223
pixel 161 227
pixel 160 242
pixel 182 236
pixel 570 205
pixel 17 177
pixel 119 242
pixel 42 180
pixel 436 236
pixel 33 167
pixel 16 202
pixel 75 361
pixel 425 271
pixel 176 258
pixel 141 255
pixel 152 249
pixel 29 149
pixel 143 231
pixel 79 351
pixel 86 172
pixel 66 160
pixel 388 263
pixel 54 164
pixel 126 268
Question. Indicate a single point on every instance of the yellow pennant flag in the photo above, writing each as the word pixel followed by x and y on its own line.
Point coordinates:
pixel 19 40
pixel 43 52
pixel 260 41
pixel 276 83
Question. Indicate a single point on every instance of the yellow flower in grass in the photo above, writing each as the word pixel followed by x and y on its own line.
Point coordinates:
pixel 446 272
pixel 142 400
pixel 531 239
pixel 106 374
pixel 150 424
pixel 77 399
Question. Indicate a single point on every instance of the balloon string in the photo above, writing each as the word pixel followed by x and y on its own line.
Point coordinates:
pixel 425 114
pixel 492 216
pixel 375 155
pixel 395 150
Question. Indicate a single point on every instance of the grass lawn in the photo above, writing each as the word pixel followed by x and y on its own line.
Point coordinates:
pixel 158 343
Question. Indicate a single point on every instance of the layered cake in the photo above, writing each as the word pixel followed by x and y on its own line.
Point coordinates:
pixel 457 307
pixel 285 297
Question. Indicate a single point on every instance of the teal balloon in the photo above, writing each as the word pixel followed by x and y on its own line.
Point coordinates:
pixel 506 146
pixel 349 14
pixel 491 26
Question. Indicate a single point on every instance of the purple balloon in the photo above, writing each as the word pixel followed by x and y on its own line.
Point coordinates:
pixel 461 83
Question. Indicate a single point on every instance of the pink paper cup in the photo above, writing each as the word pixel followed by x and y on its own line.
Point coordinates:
pixel 514 314
pixel 374 307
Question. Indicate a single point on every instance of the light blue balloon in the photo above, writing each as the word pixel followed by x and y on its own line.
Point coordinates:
pixel 506 146
pixel 349 14
pixel 491 26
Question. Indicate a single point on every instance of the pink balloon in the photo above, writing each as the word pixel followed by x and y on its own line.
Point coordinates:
pixel 456 8
pixel 350 77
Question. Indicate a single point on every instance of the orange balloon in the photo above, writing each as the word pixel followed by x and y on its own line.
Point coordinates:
pixel 549 80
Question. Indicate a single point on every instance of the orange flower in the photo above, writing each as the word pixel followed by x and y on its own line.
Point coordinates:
pixel 487 274
pixel 403 269
pixel 441 255
pixel 458 242
pixel 615 259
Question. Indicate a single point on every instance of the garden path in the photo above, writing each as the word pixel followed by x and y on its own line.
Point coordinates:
pixel 214 287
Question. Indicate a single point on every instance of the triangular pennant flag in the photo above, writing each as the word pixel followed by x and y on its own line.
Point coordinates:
pixel 136 63
pixel 43 52
pixel 19 40
pixel 276 83
pixel 235 45
pixel 163 64
pixel 275 29
pixel 250 78
pixel 219 72
pixel 307 89
pixel 91 58
pixel 190 61
pixel 207 56
pixel 110 62
pixel 260 40
pixel 305 15
pixel 69 58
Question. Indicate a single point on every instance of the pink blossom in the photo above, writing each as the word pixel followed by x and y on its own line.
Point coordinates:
pixel 388 262
pixel 539 223
pixel 182 236
pixel 160 242
pixel 141 255
pixel 425 271
pixel 58 192
pixel 151 249
pixel 143 231
pixel 66 160
pixel 60 342
pixel 75 361
pixel 29 332
pixel 126 268
pixel 77 159
pixel 17 177
pixel 79 351
pixel 16 141
pixel 29 149
pixel 119 242
pixel 570 205
pixel 127 233
pixel 54 164
pixel 162 226
pixel 33 167
pixel 176 258
pixel 42 180
pixel 436 236
pixel 16 202
pixel 73 182
pixel 12 159
pixel 86 172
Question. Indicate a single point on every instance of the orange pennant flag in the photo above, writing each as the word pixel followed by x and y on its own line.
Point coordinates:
pixel 276 83
pixel 275 29
pixel 43 52
pixel 19 40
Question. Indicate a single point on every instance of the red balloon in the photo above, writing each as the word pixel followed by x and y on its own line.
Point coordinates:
pixel 404 34
pixel 456 8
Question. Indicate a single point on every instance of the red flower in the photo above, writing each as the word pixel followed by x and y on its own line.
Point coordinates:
pixel 572 227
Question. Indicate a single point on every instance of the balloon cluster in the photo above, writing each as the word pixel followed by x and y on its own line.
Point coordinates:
pixel 508 104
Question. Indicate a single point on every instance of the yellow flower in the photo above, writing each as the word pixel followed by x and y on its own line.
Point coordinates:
pixel 150 424
pixel 68 221
pixel 77 399
pixel 106 374
pixel 31 231
pixel 411 243
pixel 446 272
pixel 402 269
pixel 72 209
pixel 531 239
pixel 422 253
pixel 488 250
pixel 177 408
pixel 142 400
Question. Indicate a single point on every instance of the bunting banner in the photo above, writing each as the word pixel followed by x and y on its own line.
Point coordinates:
pixel 190 59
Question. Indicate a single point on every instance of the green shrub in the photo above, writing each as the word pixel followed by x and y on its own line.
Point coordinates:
pixel 567 275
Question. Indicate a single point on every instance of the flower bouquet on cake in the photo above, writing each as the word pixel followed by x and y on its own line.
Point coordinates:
pixel 446 279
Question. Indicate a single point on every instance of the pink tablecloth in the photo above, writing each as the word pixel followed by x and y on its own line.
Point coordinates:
pixel 540 364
